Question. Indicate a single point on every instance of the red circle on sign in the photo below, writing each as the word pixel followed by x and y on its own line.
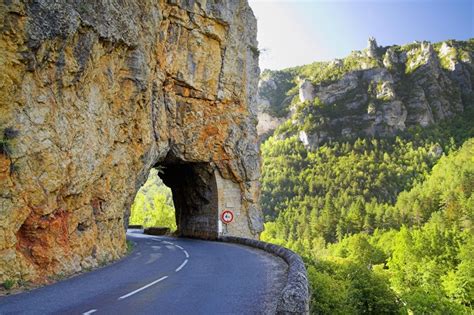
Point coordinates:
pixel 227 216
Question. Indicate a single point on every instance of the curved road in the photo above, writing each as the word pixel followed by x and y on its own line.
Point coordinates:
pixel 165 275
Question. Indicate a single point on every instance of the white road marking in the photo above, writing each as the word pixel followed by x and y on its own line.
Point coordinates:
pixel 186 253
pixel 166 242
pixel 153 257
pixel 181 266
pixel 142 288
pixel 179 247
pixel 89 312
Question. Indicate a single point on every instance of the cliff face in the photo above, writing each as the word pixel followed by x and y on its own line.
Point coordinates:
pixel 94 94
pixel 376 92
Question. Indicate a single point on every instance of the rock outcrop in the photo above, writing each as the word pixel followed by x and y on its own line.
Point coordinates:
pixel 377 92
pixel 306 90
pixel 93 95
pixel 372 48
pixel 272 101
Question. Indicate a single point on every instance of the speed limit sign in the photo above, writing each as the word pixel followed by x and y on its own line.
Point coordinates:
pixel 227 216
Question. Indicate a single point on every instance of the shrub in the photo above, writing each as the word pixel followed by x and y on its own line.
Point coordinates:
pixel 8 284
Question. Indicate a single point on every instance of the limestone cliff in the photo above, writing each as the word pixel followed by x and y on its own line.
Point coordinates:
pixel 95 93
pixel 375 92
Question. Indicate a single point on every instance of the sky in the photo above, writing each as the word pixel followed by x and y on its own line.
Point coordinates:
pixel 297 32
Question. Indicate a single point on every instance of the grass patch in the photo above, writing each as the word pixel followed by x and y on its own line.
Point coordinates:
pixel 255 51
pixel 8 284
pixel 130 246
pixel 57 277
pixel 103 262
pixel 4 148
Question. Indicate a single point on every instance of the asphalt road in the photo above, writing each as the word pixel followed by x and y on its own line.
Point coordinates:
pixel 165 275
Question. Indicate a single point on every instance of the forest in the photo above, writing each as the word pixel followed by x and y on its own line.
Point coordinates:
pixel 382 219
pixel 383 224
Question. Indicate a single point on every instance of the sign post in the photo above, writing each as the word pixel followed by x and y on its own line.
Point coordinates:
pixel 227 216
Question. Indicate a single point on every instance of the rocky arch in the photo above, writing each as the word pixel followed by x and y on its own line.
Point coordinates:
pixel 200 194
pixel 97 93
pixel 195 198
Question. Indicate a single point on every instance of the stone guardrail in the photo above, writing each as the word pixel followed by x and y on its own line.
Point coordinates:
pixel 135 226
pixel 157 230
pixel 294 298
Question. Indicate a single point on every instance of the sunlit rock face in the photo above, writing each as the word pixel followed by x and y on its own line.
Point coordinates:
pixel 379 92
pixel 94 94
pixel 305 91
pixel 372 47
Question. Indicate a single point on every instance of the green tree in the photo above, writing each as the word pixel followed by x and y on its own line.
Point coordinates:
pixel 153 204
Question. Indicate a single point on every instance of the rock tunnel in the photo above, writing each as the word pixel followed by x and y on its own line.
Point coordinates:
pixel 200 195
pixel 99 94
pixel 195 198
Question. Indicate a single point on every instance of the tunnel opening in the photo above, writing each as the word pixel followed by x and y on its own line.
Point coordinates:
pixel 179 196
pixel 153 204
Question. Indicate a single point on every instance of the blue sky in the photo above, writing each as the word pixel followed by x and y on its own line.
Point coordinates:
pixel 296 32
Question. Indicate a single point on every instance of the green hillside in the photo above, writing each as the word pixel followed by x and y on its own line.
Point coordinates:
pixel 371 181
pixel 382 256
